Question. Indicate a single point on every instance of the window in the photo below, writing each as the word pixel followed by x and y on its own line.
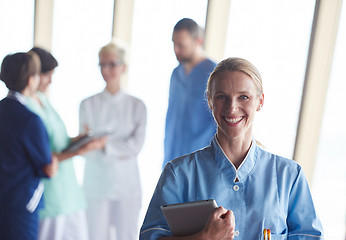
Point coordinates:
pixel 151 64
pixel 79 31
pixel 17 30
pixel 329 183
pixel 274 36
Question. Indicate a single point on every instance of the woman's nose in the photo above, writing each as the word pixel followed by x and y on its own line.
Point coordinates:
pixel 233 106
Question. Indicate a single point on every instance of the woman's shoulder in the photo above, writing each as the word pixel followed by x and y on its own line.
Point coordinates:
pixel 25 113
pixel 191 159
pixel 92 98
pixel 132 97
pixel 133 100
pixel 18 118
pixel 281 162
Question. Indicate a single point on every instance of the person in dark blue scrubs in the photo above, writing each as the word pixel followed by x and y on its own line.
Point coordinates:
pixel 25 155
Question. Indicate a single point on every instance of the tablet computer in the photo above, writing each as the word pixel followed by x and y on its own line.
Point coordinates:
pixel 74 146
pixel 188 218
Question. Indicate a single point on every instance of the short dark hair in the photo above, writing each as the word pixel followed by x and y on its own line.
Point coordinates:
pixel 48 62
pixel 189 25
pixel 16 70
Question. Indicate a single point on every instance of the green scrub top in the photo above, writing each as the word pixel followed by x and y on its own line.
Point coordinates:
pixel 62 193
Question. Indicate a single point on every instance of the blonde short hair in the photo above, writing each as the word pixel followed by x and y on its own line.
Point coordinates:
pixel 115 47
pixel 236 64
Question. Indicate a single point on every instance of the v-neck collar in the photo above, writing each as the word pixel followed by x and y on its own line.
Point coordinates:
pixel 227 167
pixel 182 68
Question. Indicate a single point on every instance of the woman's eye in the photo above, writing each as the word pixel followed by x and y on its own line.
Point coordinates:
pixel 221 97
pixel 243 97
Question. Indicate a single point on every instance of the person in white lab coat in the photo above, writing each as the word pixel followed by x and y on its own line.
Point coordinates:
pixel 111 179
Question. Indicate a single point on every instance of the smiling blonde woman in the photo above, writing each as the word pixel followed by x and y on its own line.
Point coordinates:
pixel 262 190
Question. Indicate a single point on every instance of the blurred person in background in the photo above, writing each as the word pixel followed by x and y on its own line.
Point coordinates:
pixel 111 179
pixel 189 123
pixel 63 216
pixel 25 155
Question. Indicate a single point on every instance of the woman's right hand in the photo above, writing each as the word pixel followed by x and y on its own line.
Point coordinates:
pixel 220 226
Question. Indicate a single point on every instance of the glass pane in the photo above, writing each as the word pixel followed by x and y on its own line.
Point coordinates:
pixel 329 184
pixel 151 64
pixel 274 35
pixel 80 29
pixel 17 29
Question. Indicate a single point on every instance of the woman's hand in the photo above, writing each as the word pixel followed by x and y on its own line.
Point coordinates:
pixel 95 144
pixel 51 169
pixel 220 226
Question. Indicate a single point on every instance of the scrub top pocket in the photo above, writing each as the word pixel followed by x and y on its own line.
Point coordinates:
pixel 274 237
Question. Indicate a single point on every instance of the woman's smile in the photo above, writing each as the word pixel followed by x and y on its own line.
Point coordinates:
pixel 233 120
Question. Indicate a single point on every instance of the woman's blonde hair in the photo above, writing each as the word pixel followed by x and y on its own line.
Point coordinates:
pixel 236 64
pixel 115 47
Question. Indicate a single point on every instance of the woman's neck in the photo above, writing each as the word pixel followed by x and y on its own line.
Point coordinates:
pixel 235 149
pixel 35 97
pixel 27 92
pixel 113 88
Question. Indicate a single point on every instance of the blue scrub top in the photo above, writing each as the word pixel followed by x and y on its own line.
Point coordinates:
pixel 272 193
pixel 189 122
pixel 24 151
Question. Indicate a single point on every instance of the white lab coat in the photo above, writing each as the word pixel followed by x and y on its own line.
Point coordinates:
pixel 112 174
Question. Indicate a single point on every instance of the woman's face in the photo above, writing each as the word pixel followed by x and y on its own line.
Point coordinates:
pixel 45 80
pixel 111 68
pixel 234 100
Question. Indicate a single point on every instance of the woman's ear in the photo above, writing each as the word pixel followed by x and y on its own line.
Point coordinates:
pixel 31 86
pixel 209 102
pixel 32 83
pixel 124 68
pixel 261 101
